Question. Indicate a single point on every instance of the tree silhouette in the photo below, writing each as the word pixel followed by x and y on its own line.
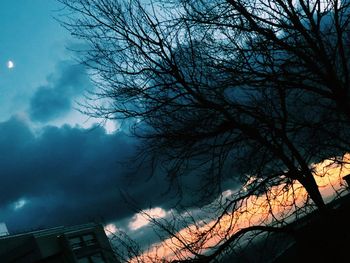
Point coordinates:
pixel 224 89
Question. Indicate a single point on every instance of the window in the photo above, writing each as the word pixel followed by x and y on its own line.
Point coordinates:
pixel 89 239
pixel 78 242
pixel 75 242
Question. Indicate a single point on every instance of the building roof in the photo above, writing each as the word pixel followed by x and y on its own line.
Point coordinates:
pixel 55 230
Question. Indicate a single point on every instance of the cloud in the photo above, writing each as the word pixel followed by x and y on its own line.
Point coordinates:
pixel 69 175
pixel 140 220
pixel 55 99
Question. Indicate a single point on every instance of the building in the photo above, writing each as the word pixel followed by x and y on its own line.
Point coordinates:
pixel 86 243
pixel 3 230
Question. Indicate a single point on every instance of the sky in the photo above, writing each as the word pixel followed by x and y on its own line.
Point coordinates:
pixel 57 166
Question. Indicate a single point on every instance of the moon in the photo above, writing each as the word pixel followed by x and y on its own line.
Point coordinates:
pixel 10 64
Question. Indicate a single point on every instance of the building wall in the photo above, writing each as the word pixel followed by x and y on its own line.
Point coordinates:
pixel 84 243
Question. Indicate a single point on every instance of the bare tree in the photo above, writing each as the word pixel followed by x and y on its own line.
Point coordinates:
pixel 285 45
pixel 223 89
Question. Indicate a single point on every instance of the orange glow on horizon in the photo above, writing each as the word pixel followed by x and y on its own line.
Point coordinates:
pixel 279 203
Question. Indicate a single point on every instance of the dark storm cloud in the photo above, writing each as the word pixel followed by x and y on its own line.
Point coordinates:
pixel 68 175
pixel 55 99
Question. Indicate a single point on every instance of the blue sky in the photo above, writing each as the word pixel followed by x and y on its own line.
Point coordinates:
pixel 57 166
pixel 54 168
pixel 35 43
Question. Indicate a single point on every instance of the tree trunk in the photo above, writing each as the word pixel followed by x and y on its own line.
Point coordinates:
pixel 312 189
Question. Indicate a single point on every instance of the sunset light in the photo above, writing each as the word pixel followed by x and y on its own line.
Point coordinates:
pixel 277 204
